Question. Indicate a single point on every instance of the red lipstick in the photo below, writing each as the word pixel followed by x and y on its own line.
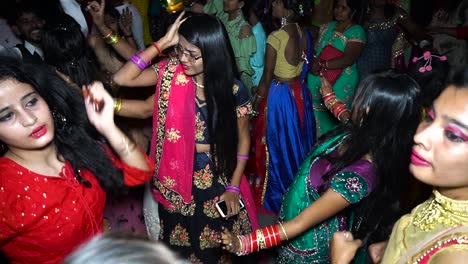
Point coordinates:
pixel 39 132
pixel 417 160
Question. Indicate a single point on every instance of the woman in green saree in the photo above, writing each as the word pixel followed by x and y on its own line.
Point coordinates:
pixel 351 180
pixel 344 35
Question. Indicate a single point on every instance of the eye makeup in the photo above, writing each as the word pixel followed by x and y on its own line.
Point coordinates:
pixel 456 132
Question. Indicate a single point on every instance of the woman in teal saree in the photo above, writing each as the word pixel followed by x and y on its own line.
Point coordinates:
pixel 350 179
pixel 340 36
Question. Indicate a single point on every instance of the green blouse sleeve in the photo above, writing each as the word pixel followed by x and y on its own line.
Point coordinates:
pixel 214 7
pixel 355 34
pixel 244 48
pixel 350 185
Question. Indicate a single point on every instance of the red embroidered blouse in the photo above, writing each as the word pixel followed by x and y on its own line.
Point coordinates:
pixel 45 218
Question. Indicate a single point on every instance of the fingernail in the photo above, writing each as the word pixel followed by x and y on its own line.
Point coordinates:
pixel 99 105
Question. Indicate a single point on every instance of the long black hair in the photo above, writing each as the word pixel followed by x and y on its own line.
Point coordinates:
pixel 208 34
pixel 76 140
pixel 386 112
pixel 65 47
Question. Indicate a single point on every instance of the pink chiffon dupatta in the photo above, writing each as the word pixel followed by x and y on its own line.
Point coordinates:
pixel 173 142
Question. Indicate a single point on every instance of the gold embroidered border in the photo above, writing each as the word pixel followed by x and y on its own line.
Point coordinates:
pixel 163 103
pixel 175 199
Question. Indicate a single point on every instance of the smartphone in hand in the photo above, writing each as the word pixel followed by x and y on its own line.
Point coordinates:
pixel 222 208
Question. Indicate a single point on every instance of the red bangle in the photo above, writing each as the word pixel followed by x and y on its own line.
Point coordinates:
pixel 253 239
pixel 155 45
pixel 329 99
pixel 338 108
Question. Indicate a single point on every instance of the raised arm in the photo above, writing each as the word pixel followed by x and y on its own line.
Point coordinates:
pixel 100 109
pixel 131 75
pixel 125 25
pixel 118 43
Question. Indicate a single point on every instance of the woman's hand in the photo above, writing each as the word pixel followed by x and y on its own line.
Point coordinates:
pixel 315 69
pixel 125 22
pixel 99 107
pixel 232 203
pixel 326 87
pixel 96 10
pixel 343 247
pixel 172 36
pixel 377 250
pixel 230 241
pixel 255 105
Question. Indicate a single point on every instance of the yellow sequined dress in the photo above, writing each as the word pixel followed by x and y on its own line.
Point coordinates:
pixel 428 220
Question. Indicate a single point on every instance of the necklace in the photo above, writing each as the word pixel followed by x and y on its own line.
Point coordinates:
pixel 285 22
pixel 198 85
pixel 441 210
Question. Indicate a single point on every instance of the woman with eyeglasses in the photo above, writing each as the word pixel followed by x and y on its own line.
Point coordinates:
pixel 200 135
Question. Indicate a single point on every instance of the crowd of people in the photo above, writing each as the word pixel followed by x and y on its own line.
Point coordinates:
pixel 161 131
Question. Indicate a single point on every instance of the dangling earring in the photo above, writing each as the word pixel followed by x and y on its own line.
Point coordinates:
pixel 284 21
pixel 59 120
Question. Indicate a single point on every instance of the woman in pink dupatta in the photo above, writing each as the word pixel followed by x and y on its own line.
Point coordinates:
pixel 200 136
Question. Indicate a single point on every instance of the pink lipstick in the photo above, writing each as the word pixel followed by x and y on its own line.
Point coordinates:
pixel 417 160
pixel 39 132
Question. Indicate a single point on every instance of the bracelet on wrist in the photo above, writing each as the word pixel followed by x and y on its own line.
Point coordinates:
pixel 232 188
pixel 155 45
pixel 112 38
pixel 242 156
pixel 139 61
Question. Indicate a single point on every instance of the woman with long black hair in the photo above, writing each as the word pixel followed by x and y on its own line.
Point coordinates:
pixel 61 153
pixel 353 171
pixel 200 108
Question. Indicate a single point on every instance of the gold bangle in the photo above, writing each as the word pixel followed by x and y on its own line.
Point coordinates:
pixel 117 105
pixel 284 231
pixel 332 103
pixel 241 246
pixel 112 38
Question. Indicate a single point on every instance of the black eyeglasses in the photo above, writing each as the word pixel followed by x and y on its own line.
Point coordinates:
pixel 181 51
